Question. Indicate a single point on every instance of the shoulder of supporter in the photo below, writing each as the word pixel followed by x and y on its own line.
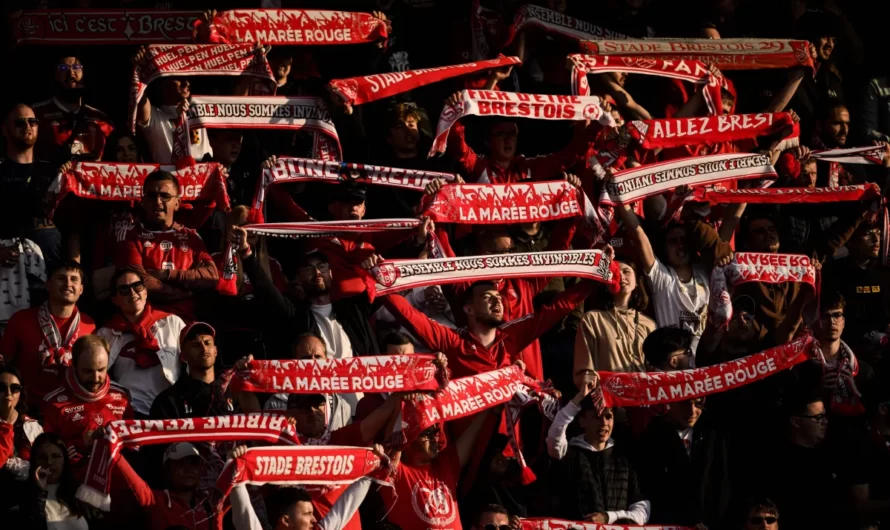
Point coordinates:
pixel 58 396
pixel 119 392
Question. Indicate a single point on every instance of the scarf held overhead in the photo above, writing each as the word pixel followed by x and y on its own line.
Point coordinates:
pixel 264 427
pixel 637 389
pixel 365 89
pixel 111 181
pixel 654 179
pixel 518 105
pixel 851 155
pixel 532 16
pixel 398 275
pixel 382 373
pixel 293 26
pixel 104 26
pixel 692 71
pixel 675 132
pixel 726 54
pixel 317 229
pixel 719 195
pixel 755 267
pixel 197 59
pixel 506 203
pixel 562 524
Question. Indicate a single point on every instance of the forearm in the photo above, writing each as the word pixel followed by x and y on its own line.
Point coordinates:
pixel 143 113
pixel 637 512
pixel 203 277
pixel 783 96
pixel 264 286
pixel 243 516
pixel 378 419
pixel 632 225
pixel 347 504
pixel 556 434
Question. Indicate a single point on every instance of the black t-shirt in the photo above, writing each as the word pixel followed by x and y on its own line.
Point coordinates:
pixel 22 190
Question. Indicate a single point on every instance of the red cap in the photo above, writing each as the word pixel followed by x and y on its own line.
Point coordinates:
pixel 196 328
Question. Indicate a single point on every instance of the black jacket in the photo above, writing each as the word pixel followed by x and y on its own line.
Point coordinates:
pixel 352 313
pixel 191 398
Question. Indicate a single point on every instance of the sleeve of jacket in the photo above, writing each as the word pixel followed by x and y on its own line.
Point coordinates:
pixel 7 441
pixel 585 345
pixel 870 112
pixel 703 238
pixel 838 234
pixel 140 489
pixel 525 330
pixel 243 516
pixel 557 444
pixel 346 506
pixel 202 275
pixel 265 288
pixel 436 336
pixel 36 515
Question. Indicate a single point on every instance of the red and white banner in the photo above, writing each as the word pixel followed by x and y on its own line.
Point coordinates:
pixel 755 267
pixel 860 192
pixel 685 70
pixel 398 275
pixel 104 26
pixel 265 427
pixel 518 105
pixel 653 388
pixel 264 112
pixel 562 524
pixel 197 59
pixel 120 181
pixel 532 16
pixel 726 54
pixel 654 179
pixel 519 202
pixel 675 132
pixel 462 397
pixel 851 155
pixel 383 373
pixel 316 229
pixel 293 26
pixel 365 89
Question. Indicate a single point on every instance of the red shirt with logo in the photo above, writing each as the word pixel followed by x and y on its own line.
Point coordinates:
pixel 70 417
pixel 23 346
pixel 424 497
pixel 82 132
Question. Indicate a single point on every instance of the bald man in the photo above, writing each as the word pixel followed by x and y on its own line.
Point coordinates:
pixel 24 182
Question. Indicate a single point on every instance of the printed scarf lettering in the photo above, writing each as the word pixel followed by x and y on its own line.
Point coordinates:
pixel 104 26
pixel 675 132
pixel 304 27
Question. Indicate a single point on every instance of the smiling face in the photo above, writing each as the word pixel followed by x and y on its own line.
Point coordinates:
pixel 824 47
pixel 130 295
pixel 628 281
pixel 65 286
pixel 20 128
pixel 10 393
pixel 675 247
pixel 597 429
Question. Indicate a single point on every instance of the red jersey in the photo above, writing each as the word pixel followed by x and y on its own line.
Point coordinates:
pixel 23 345
pixel 424 497
pixel 69 416
pixel 82 132
pixel 482 170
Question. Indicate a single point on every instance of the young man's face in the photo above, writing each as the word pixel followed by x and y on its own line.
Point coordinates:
pixel 404 136
pixel 92 369
pixel 503 140
pixel 808 174
pixel 685 414
pixel 812 426
pixel 837 126
pixel 310 416
pixel 226 146
pixel 761 519
pixel 763 236
pixel 498 520
pixel 300 517
pixel 824 47
pixel 865 243
pixel 65 286
pixel 486 307
pixel 596 427
pixel 426 446
pixel 315 277
pixel 160 201
pixel 399 349
pixel 347 210
pixel 20 128
pixel 69 73
pixel 830 325
pixel 184 474
pixel 675 246
pixel 175 89
pixel 199 351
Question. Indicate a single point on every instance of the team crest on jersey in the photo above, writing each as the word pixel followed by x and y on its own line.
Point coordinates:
pixel 183 247
pixel 166 246
pixel 61 399
pixel 148 244
pixel 98 419
pixel 434 505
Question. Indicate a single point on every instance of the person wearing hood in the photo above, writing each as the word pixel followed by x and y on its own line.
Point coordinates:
pixel 597 482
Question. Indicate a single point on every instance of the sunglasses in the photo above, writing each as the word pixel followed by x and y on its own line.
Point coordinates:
pixel 136 287
pixel 832 315
pixel 760 519
pixel 10 388
pixel 25 122
pixel 154 196
pixel 71 67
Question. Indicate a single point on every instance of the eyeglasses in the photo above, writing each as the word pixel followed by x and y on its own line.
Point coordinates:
pixel 832 315
pixel 154 196
pixel 71 67
pixel 875 233
pixel 430 435
pixel 136 287
pixel 22 123
pixel 818 418
pixel 760 519
pixel 12 388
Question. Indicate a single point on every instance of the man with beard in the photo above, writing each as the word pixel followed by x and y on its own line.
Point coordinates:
pixel 595 480
pixel 821 30
pixel 174 260
pixel 38 341
pixel 24 181
pixel 158 123
pixel 68 127
pixel 86 402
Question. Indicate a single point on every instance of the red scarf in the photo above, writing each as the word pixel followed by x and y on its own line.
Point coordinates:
pixel 292 26
pixel 520 202
pixel 676 132
pixel 532 16
pixel 58 350
pixel 120 434
pixel 384 373
pixel 652 388
pixel 198 59
pixel 81 393
pixel 685 70
pixel 104 26
pixel 537 523
pixel 110 181
pixel 330 229
pixel 144 348
pixel 398 275
pixel 755 267
pixel 365 89
pixel 838 380
pixel 631 185
pixel 861 192
pixel 726 54
pixel 308 170
pixel 518 105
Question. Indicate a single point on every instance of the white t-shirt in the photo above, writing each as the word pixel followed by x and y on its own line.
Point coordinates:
pixel 336 341
pixel 58 516
pixel 678 304
pixel 159 134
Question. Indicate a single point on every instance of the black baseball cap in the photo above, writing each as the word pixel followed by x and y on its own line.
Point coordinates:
pixel 348 192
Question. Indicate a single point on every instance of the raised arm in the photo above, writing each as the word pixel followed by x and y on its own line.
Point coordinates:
pixel 378 419
pixel 259 276
pixel 635 230
pixel 557 444
pixel 436 336
pixel 622 97
pixel 143 107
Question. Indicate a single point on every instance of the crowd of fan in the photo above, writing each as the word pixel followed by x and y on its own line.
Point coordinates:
pixel 135 293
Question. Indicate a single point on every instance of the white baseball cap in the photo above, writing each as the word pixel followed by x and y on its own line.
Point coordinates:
pixel 180 450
